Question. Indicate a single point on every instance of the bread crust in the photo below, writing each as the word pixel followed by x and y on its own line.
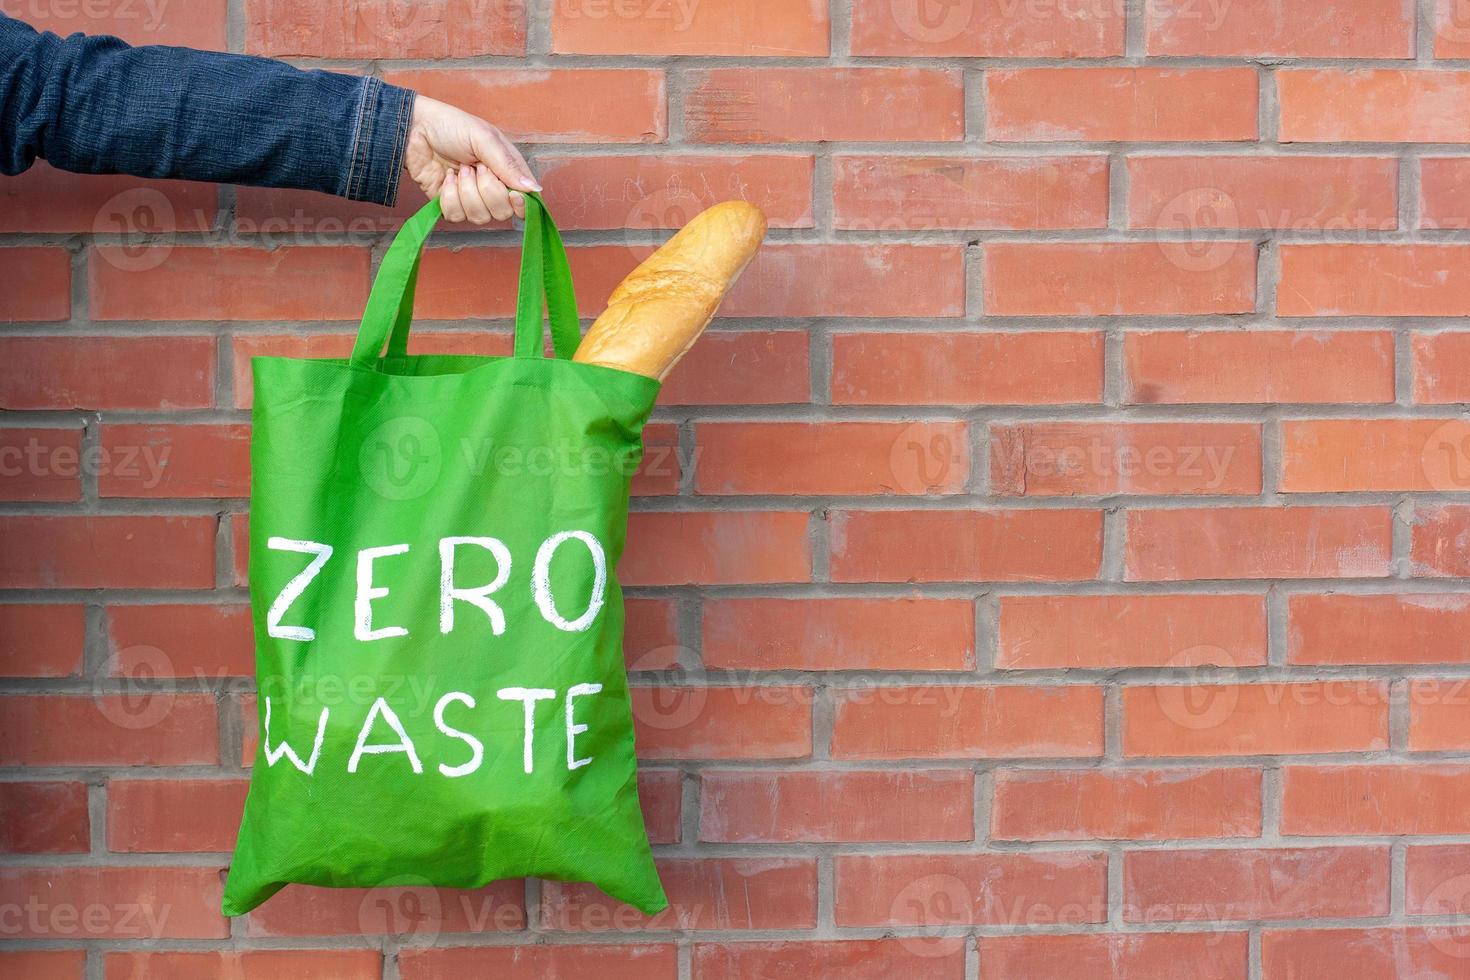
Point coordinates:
pixel 658 312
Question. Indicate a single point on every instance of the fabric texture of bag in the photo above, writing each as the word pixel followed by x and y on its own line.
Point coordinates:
pixel 433 539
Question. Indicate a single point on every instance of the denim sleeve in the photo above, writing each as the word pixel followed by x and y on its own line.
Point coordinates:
pixel 97 105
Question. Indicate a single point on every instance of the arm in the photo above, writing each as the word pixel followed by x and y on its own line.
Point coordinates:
pixel 97 105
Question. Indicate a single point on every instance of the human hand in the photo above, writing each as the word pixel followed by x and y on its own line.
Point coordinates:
pixel 469 164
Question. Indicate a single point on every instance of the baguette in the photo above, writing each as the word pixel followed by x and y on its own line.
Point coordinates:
pixel 661 308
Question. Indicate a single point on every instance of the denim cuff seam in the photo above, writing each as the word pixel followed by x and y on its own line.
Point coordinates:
pixel 400 143
pixel 361 144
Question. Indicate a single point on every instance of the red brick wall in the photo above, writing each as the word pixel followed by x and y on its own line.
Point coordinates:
pixel 1056 551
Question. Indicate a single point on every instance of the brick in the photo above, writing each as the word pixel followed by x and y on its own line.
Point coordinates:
pixel 44 818
pixel 834 279
pixel 175 461
pixel 1258 542
pixel 1283 28
pixel 1255 883
pixel 239 532
pixel 1255 719
pixel 1361 630
pixel 1043 367
pixel 795 458
pixel 983 30
pixel 1437 715
pixel 1444 192
pixel 704 893
pixel 839 634
pixel 107 552
pixel 1345 456
pixel 934 193
pixel 751 722
pixel 114 903
pixel 1129 104
pixel 253 964
pixel 1380 953
pixel 279 213
pixel 1158 804
pixel 968 722
pixel 44 199
pixel 248 711
pixel 841 807
pixel 1437 877
pixel 1049 459
pixel 854 959
pixel 743 28
pixel 246 347
pixel 776 105
pixel 1297 193
pixel 666 190
pixel 660 792
pixel 157 815
pixel 661 469
pixel 847 280
pixel 1373 800
pixel 42 640
pixel 379 29
pixel 1439 543
pixel 1373 105
pixel 745 368
pixel 40 464
pixel 1135 956
pixel 1107 632
pixel 1451 30
pixel 51 964
pixel 303 910
pixel 687 548
pixel 651 634
pixel 1117 279
pixel 933 891
pixel 1374 280
pixel 187 23
pixel 293 282
pixel 965 546
pixel 1173 367
pixel 46 273
pixel 594 105
pixel 155 728
pixel 144 373
pixel 1441 368
pixel 540 962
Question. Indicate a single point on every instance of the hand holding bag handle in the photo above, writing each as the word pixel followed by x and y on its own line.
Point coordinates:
pixel 545 274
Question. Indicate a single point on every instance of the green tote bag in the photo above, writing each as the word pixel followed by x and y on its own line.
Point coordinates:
pixel 438 626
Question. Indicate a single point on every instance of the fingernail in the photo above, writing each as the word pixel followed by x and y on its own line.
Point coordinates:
pixel 531 185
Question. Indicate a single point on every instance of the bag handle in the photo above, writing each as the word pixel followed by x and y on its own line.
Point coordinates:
pixel 545 281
